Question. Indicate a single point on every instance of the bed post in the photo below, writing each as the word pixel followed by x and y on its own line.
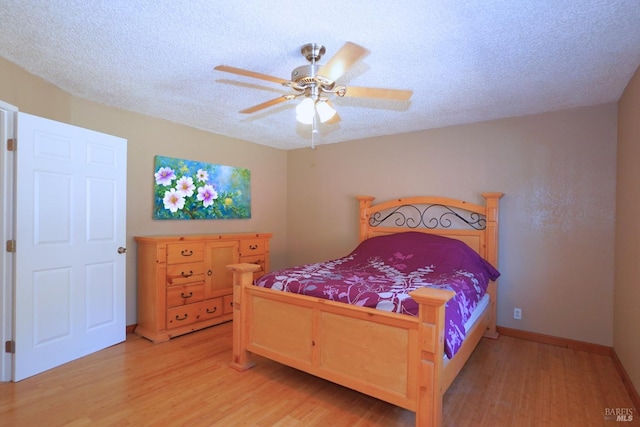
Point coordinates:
pixel 431 330
pixel 491 233
pixel 242 277
pixel 365 204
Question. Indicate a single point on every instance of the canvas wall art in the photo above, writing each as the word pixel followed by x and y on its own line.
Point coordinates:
pixel 189 189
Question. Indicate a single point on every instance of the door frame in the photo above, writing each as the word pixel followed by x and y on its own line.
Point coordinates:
pixel 8 118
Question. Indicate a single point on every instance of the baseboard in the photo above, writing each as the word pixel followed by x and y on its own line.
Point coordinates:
pixel 557 341
pixel 131 328
pixel 578 345
pixel 626 380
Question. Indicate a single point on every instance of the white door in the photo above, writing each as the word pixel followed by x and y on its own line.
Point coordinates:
pixel 70 223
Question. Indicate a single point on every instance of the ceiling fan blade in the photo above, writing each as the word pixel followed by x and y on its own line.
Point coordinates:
pixel 248 73
pixel 342 61
pixel 264 105
pixel 374 92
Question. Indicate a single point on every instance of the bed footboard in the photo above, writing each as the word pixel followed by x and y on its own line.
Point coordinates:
pixel 393 357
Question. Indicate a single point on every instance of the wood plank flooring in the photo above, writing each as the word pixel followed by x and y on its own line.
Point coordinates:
pixel 187 382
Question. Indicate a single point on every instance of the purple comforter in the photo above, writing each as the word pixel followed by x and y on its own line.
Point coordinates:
pixel 381 272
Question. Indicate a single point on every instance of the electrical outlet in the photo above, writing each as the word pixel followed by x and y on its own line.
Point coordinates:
pixel 517 313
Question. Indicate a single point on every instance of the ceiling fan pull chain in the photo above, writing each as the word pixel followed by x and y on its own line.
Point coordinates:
pixel 314 130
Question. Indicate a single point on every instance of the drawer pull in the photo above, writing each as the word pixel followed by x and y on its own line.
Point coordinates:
pixel 182 318
pixel 189 274
pixel 182 294
pixel 188 252
pixel 253 247
pixel 212 311
pixel 209 273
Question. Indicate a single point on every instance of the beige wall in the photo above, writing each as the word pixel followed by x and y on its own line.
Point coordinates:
pixel 557 171
pixel 626 336
pixel 148 137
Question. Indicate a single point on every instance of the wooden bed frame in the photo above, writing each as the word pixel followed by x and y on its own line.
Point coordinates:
pixel 396 358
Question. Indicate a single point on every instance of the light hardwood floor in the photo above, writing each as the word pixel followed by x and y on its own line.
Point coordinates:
pixel 187 382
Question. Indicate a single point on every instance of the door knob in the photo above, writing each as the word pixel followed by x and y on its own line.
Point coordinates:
pixel 122 250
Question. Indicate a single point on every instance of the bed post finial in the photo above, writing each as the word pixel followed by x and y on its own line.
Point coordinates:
pixel 365 204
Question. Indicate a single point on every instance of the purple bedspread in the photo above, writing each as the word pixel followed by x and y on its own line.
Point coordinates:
pixel 381 272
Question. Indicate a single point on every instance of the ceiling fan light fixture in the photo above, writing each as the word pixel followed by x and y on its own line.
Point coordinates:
pixel 305 111
pixel 325 111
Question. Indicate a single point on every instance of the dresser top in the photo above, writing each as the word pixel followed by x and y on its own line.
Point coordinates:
pixel 200 237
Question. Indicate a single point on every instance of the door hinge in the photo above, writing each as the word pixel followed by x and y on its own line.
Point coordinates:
pixel 10 347
pixel 11 245
pixel 11 144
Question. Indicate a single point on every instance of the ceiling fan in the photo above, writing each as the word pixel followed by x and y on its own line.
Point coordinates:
pixel 314 81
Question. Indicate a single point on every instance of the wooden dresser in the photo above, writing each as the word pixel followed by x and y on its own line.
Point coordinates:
pixel 184 284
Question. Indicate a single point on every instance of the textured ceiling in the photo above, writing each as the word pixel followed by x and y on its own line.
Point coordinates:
pixel 465 61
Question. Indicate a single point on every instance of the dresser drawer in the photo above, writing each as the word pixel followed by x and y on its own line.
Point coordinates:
pixel 255 259
pixel 258 260
pixel 211 308
pixel 250 247
pixel 227 302
pixel 183 315
pixel 185 252
pixel 186 273
pixel 185 294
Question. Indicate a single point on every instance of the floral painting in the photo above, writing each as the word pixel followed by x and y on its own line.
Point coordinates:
pixel 187 189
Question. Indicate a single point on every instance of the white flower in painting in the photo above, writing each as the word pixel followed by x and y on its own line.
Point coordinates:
pixel 173 200
pixel 185 186
pixel 202 175
pixel 165 176
pixel 207 195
